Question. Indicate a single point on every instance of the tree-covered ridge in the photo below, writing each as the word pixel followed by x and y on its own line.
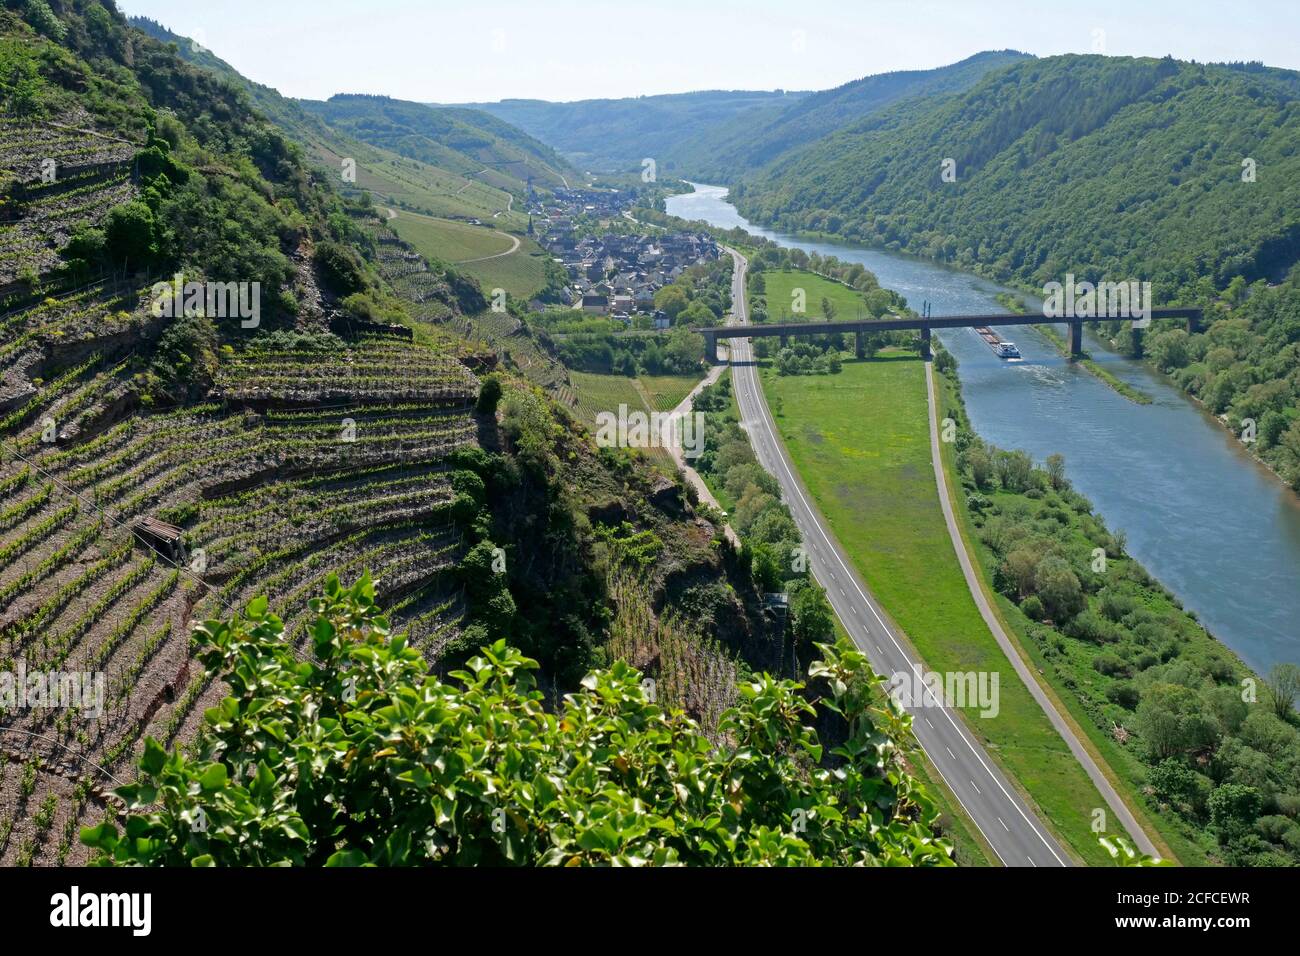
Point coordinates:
pixel 359 756
pixel 1181 174
pixel 748 142
pixel 616 134
pixel 1093 164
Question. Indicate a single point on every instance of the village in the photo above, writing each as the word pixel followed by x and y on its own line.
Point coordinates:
pixel 614 274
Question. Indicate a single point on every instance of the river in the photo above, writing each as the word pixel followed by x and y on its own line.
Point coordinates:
pixel 1215 526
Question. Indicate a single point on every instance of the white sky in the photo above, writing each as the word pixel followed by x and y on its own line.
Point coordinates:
pixel 480 50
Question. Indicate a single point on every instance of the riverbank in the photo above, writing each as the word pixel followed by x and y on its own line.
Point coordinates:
pixel 1127 660
pixel 1147 468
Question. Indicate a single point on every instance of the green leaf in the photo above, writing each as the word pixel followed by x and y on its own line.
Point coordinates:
pixel 214 778
pixel 154 758
pixel 257 608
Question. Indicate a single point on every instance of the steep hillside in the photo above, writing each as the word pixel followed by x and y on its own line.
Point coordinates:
pixel 167 459
pixel 753 140
pixel 617 134
pixel 395 179
pixel 467 142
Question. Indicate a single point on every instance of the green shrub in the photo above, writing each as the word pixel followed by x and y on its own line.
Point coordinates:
pixel 131 235
pixel 359 756
pixel 342 267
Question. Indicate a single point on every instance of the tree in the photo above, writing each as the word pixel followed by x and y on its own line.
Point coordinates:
pixel 1234 809
pixel 490 394
pixel 358 755
pixel 697 314
pixel 1015 470
pixel 342 267
pixel 1283 684
pixel 671 299
pixel 130 234
pixel 981 468
pixel 811 618
pixel 1169 350
pixel 1057 586
pixel 1173 781
pixel 1021 568
pixel 1056 470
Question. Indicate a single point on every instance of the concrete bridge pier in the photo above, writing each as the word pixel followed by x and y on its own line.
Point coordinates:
pixel 859 345
pixel 1076 339
pixel 711 348
pixel 926 353
pixel 785 341
pixel 1193 324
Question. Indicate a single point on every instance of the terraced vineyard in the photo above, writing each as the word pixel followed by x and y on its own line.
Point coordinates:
pixel 594 394
pixel 298 463
pixel 302 464
pixel 53 176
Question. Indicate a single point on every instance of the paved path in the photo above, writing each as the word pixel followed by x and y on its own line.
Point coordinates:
pixel 1012 652
pixel 670 438
pixel 509 252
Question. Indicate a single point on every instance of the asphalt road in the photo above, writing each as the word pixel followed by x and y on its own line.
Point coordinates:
pixel 1017 836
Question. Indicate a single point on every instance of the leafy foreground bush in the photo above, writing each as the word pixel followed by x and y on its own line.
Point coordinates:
pixel 363 757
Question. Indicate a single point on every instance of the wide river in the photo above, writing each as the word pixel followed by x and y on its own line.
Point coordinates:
pixel 1203 516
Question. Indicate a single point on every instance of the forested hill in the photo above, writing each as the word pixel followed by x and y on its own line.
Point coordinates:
pixel 463 141
pixel 752 140
pixel 616 134
pixel 1093 164
pixel 1181 174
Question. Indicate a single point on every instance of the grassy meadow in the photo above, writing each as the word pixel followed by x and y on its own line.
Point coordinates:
pixel 522 273
pixel 847 303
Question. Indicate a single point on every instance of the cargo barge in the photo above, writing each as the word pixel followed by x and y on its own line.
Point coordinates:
pixel 1005 350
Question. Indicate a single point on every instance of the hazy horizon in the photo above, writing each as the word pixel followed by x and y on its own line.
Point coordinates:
pixel 574 49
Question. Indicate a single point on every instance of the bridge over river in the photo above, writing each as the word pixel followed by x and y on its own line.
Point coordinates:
pixel 923 325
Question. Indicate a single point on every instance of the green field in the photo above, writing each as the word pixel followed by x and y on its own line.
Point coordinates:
pixel 522 273
pixel 860 440
pixel 847 303
pixel 449 240
pixel 665 392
